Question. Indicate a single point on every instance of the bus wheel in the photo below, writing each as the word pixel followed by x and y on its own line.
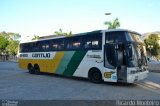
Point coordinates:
pixel 30 68
pixel 95 75
pixel 36 69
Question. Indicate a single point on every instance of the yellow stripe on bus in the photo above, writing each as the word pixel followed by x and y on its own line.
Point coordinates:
pixel 53 64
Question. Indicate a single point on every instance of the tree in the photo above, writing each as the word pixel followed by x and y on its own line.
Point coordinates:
pixel 4 34
pixel 36 37
pixel 3 44
pixel 14 36
pixel 9 42
pixel 10 35
pixel 12 48
pixel 113 25
pixel 61 33
pixel 68 34
pixel 153 40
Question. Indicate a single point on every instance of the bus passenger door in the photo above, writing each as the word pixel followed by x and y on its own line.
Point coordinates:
pixel 115 59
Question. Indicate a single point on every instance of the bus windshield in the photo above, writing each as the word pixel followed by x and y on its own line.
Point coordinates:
pixel 134 37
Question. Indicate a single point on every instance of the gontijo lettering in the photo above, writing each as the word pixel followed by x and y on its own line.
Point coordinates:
pixel 41 55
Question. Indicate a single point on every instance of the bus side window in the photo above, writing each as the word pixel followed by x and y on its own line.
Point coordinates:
pixel 47 47
pixel 88 44
pixel 57 44
pixel 44 46
pixel 28 47
pixel 24 47
pixel 73 43
pixel 31 46
pixel 54 46
pixel 37 47
pixel 69 45
pixel 93 41
pixel 60 44
pixel 76 45
pixel 40 46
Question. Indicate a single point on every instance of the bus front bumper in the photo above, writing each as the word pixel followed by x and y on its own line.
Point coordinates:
pixel 131 78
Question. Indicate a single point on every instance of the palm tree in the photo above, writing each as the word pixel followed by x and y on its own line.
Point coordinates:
pixel 68 34
pixel 36 37
pixel 113 25
pixel 61 33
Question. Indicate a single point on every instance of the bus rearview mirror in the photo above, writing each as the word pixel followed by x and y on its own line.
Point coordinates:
pixel 130 52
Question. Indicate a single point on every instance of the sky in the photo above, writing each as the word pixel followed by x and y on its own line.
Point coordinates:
pixel 44 17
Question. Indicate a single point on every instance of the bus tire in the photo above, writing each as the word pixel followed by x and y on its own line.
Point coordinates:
pixel 95 75
pixel 36 69
pixel 30 68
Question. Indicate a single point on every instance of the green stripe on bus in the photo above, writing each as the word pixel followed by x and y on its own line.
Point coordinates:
pixel 64 62
pixel 74 63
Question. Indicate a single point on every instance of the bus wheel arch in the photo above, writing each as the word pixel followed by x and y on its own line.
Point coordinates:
pixel 95 75
pixel 30 68
pixel 36 69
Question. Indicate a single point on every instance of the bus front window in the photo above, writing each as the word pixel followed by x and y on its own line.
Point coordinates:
pixel 133 37
pixel 138 57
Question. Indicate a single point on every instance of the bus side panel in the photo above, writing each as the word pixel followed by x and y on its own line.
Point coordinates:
pixel 89 62
pixel 52 65
pixel 23 63
pixel 64 62
pixel 74 63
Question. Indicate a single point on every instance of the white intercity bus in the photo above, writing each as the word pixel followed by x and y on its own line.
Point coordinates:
pixel 116 55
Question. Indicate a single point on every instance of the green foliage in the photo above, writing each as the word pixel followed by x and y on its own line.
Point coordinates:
pixel 61 33
pixel 3 44
pixel 4 34
pixel 113 24
pixel 12 48
pixel 68 34
pixel 14 36
pixel 10 35
pixel 36 37
pixel 153 40
pixel 9 42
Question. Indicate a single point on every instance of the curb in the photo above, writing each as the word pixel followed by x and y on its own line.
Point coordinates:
pixel 13 61
pixel 155 71
pixel 10 61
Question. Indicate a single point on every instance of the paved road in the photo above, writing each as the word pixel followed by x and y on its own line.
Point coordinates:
pixel 20 85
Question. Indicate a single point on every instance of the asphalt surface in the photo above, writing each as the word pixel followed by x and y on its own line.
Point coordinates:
pixel 18 84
